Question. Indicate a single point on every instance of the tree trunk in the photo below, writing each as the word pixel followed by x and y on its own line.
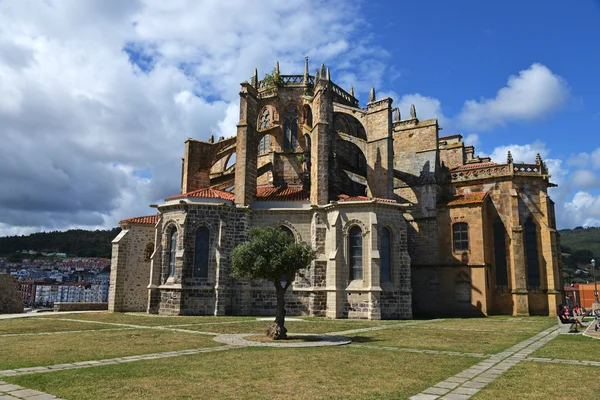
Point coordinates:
pixel 277 331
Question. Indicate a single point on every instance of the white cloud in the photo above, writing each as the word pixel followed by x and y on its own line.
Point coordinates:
pixel 586 160
pixel 585 179
pixel 472 139
pixel 97 97
pixel 584 209
pixel 426 107
pixel 533 94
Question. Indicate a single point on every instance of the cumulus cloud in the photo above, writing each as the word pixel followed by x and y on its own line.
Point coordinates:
pixel 426 107
pixel 532 94
pixel 584 209
pixel 97 97
pixel 586 160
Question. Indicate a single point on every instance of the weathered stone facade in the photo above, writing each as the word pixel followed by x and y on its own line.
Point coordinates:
pixel 402 220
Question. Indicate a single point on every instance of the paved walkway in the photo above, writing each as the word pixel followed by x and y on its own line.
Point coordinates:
pixel 14 392
pixel 323 340
pixel 467 383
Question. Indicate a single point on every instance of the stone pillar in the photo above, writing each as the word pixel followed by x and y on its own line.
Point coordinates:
pixel 518 271
pixel 373 276
pixel 380 156
pixel 334 275
pixel 320 143
pixel 246 147
pixel 550 251
pixel 117 274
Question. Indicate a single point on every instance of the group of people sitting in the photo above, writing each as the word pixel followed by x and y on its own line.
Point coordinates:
pixel 565 315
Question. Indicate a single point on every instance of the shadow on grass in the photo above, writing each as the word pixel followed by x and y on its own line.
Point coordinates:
pixel 363 339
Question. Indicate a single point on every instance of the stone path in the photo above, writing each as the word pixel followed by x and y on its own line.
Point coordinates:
pixel 161 328
pixel 14 392
pixel 110 361
pixel 467 383
pixel 380 327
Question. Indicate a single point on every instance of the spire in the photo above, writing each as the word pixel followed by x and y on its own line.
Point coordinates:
pixel 372 95
pixel 413 112
pixel 538 159
pixel 277 68
pixel 305 70
pixel 323 72
pixel 255 78
pixel 328 74
pixel 396 114
pixel 316 74
pixel 352 91
pixel 509 159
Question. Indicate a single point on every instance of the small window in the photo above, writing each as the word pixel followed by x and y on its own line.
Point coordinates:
pixel 172 251
pixel 308 117
pixel 264 121
pixel 385 251
pixel 263 145
pixel 201 252
pixel 460 232
pixel 355 244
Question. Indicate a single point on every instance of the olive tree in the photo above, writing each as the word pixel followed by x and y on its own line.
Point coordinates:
pixel 273 255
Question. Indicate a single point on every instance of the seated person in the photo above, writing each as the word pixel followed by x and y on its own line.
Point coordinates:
pixel 577 310
pixel 565 319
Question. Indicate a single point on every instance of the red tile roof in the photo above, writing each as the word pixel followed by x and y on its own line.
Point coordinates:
pixel 345 197
pixel 150 219
pixel 292 193
pixel 474 166
pixel 466 198
pixel 207 193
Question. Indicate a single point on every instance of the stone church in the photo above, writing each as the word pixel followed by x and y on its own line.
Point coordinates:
pixel 405 221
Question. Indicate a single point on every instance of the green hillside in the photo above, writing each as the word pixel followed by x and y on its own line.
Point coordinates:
pixel 75 242
pixel 578 247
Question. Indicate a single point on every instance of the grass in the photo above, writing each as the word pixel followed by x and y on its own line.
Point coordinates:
pixel 315 326
pixel 530 324
pixel 419 337
pixel 31 351
pixel 257 373
pixel 571 347
pixel 37 325
pixel 144 319
pixel 533 380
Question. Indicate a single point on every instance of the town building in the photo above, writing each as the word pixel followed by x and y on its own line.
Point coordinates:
pixel 404 221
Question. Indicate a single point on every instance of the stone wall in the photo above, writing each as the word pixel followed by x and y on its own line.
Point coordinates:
pixel 130 267
pixel 62 306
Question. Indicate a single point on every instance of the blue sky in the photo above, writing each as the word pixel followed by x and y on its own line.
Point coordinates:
pixel 98 96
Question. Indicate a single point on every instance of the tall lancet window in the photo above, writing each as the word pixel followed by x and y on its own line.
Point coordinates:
pixel 290 129
pixel 172 251
pixel 201 253
pixel 263 145
pixel 355 245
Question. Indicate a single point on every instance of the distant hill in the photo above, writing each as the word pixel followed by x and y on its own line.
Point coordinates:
pixel 75 242
pixel 581 239
pixel 578 247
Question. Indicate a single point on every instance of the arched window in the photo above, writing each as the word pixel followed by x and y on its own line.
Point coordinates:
pixel 385 251
pixel 264 120
pixel 531 253
pixel 263 145
pixel 287 231
pixel 460 234
pixel 500 253
pixel 355 253
pixel 201 251
pixel 290 129
pixel 172 251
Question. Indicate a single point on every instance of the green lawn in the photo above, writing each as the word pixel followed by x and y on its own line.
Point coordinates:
pixel 532 380
pixel 143 318
pixel 32 351
pixel 419 337
pixel 37 325
pixel 571 347
pixel 340 372
pixel 257 373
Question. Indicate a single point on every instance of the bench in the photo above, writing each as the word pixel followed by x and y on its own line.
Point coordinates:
pixel 572 326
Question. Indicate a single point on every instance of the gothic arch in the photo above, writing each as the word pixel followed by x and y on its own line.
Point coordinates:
pixel 355 222
pixel 292 228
